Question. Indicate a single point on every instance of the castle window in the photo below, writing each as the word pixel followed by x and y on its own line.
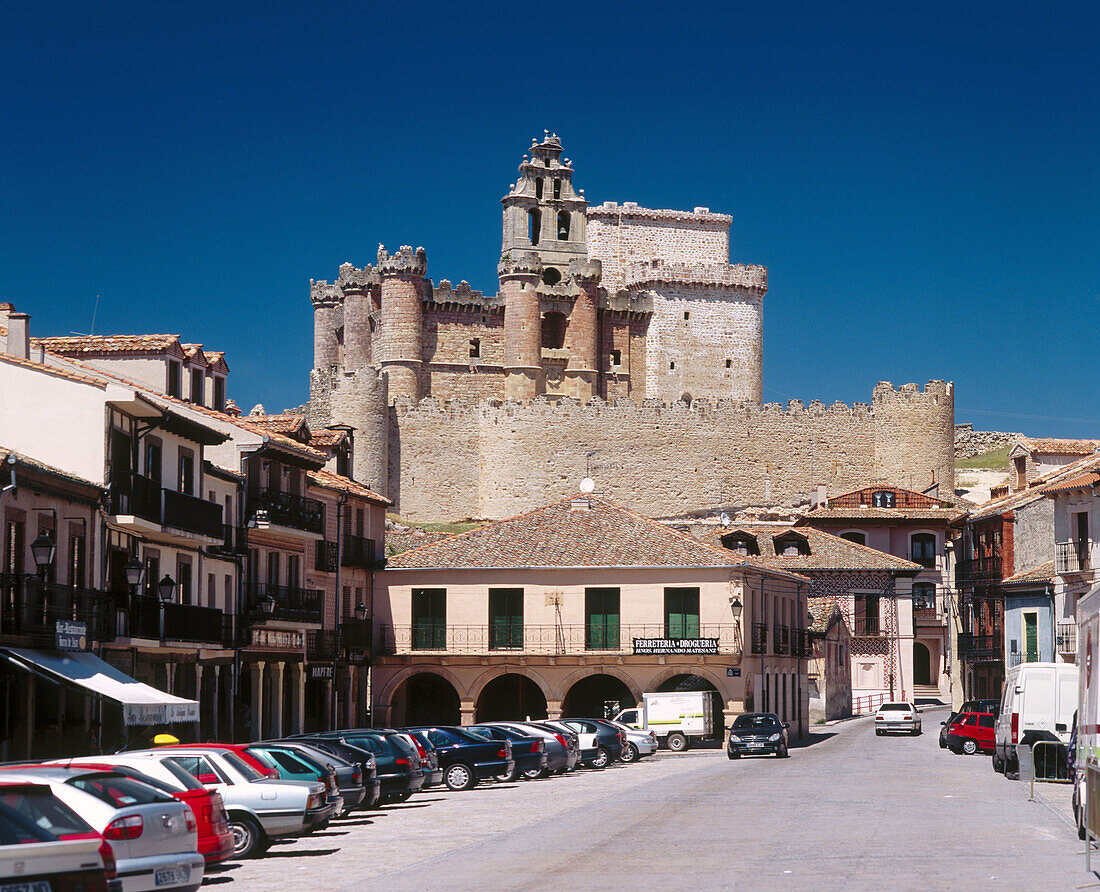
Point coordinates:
pixel 729 363
pixel 475 348
pixel 557 188
pixel 538 189
pixel 551 276
pixel 534 223
pixel 882 499
pixel 687 315
pixel 616 357
pixel 672 366
pixel 563 226
pixel 553 330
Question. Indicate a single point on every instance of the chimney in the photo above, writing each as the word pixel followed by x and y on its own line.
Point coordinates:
pixel 581 503
pixel 19 340
pixel 819 499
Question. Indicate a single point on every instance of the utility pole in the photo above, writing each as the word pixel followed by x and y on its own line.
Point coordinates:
pixel 336 632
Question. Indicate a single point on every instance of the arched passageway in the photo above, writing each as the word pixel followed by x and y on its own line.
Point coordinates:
pixel 589 697
pixel 425 699
pixel 922 664
pixel 510 697
pixel 687 682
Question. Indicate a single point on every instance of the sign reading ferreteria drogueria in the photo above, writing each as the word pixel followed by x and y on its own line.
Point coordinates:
pixel 657 646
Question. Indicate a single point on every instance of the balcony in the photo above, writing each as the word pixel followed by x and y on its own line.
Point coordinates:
pixel 980 648
pixel 358 552
pixel 234 540
pixel 542 639
pixel 141 618
pixel 986 568
pixel 31 609
pixel 1072 556
pixel 759 644
pixel 297 605
pixel 321 645
pixel 287 510
pixel 781 639
pixel 143 497
pixel 354 636
pixel 802 644
pixel 1065 638
pixel 868 626
pixel 325 557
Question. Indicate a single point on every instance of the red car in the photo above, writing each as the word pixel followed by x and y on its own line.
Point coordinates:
pixel 215 839
pixel 970 732
pixel 239 749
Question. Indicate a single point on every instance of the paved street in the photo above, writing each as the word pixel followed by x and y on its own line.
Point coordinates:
pixel 849 811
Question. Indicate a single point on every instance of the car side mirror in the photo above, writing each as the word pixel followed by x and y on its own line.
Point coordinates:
pixel 786 724
pixel 943 723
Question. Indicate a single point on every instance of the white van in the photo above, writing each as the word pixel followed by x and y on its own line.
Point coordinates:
pixel 1037 703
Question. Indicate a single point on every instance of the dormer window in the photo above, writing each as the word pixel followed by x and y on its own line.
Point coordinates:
pixel 741 543
pixel 791 544
pixel 174 379
pixel 219 393
pixel 882 499
pixel 196 386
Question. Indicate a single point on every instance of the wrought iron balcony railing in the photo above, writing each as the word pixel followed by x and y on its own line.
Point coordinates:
pixel 759 642
pixel 325 558
pixel 145 617
pixel 136 495
pixel 145 498
pixel 781 639
pixel 987 568
pixel 302 605
pixel 287 510
pixel 980 648
pixel 234 540
pixel 802 644
pixel 184 512
pixel 30 608
pixel 1065 638
pixel 537 639
pixel 357 552
pixel 868 626
pixel 1072 556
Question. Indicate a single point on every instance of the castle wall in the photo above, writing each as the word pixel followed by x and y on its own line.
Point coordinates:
pixel 496 460
pixel 448 332
pixel 694 334
pixel 912 444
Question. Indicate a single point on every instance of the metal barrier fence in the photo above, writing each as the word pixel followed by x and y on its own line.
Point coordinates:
pixel 868 703
pixel 1045 761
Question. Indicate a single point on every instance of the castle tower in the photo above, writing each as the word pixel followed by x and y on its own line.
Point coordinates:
pixel 356 285
pixel 326 299
pixel 582 371
pixel 519 281
pixel 402 277
pixel 915 434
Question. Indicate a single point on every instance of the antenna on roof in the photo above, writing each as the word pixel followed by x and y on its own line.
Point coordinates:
pixel 588 485
pixel 95 309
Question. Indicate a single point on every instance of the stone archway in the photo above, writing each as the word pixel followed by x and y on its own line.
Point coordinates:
pixel 510 696
pixel 425 698
pixel 922 664
pixel 589 696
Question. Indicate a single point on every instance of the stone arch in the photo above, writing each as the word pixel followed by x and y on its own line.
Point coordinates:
pixel 489 674
pixel 923 672
pixel 510 696
pixel 664 675
pixel 425 698
pixel 395 681
pixel 571 679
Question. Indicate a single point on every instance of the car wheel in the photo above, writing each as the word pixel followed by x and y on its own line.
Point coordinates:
pixel 970 746
pixel 537 773
pixel 459 776
pixel 630 754
pixel 508 776
pixel 676 742
pixel 733 755
pixel 603 758
pixel 400 797
pixel 783 753
pixel 249 839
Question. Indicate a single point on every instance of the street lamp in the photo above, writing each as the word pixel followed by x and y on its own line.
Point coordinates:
pixel 43 550
pixel 135 573
pixel 360 611
pixel 267 605
pixel 735 608
pixel 164 589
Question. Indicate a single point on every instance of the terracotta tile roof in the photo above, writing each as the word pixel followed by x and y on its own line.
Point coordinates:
pixel 905 499
pixel 97 345
pixel 1051 446
pixel 827 552
pixel 1043 573
pixel 282 424
pixel 1037 489
pixel 601 535
pixel 334 481
pixel 326 438
pixel 820 609
pixel 53 370
pixel 398 541
pixel 193 351
pixel 882 514
pixel 1089 479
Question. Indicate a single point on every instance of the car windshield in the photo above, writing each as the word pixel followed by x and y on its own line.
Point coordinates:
pixel 118 792
pixel 44 810
pixel 895 707
pixel 188 780
pixel 755 722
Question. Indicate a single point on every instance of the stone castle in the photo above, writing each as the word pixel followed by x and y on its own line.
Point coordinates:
pixel 621 344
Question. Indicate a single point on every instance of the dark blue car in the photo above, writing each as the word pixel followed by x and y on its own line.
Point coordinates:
pixel 466 759
pixel 528 752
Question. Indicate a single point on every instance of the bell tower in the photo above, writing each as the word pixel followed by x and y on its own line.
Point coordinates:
pixel 542 212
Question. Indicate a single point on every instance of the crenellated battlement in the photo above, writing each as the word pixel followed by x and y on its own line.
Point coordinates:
pixel 935 392
pixel 404 262
pixel 444 292
pixel 742 277
pixel 629 211
pixel 351 278
pixel 323 294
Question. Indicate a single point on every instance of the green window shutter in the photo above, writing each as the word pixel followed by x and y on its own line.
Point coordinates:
pixel 429 619
pixel 681 613
pixel 601 618
pixel 506 618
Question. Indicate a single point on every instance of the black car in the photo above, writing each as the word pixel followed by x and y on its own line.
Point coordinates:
pixel 528 752
pixel 353 778
pixel 355 755
pixel 467 759
pixel 610 741
pixel 430 758
pixel 993 706
pixel 399 767
pixel 756 733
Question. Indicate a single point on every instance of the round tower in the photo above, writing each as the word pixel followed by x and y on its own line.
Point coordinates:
pixel 402 278
pixel 915 435
pixel 358 399
pixel 519 280
pixel 325 299
pixel 355 285
pixel 582 370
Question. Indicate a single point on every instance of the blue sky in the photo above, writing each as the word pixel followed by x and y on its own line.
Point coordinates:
pixel 921 179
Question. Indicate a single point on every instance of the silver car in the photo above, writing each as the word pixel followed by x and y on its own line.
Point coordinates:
pixel 639 742
pixel 897 716
pixel 260 809
pixel 152 835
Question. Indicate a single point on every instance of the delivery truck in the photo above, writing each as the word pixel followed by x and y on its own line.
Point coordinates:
pixel 676 718
pixel 1085 756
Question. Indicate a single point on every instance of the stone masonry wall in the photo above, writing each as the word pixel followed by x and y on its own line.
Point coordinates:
pixel 969 442
pixel 495 460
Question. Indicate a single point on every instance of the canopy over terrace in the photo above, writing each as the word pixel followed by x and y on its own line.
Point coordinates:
pixel 141 703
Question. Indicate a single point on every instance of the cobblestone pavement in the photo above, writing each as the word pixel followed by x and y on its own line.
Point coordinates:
pixel 847 811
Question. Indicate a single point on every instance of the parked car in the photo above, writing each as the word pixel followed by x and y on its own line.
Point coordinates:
pixel 350 778
pixel 294 766
pixel 970 732
pixel 153 836
pixel 991 706
pixel 562 749
pixel 588 746
pixel 639 743
pixel 215 839
pixel 528 750
pixel 610 741
pixel 30 813
pixel 354 755
pixel 1038 701
pixel 756 734
pixel 261 809
pixel 429 758
pixel 399 767
pixel 34 859
pixel 467 759
pixel 897 716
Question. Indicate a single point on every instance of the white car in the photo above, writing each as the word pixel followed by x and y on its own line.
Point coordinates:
pixel 897 716
pixel 153 836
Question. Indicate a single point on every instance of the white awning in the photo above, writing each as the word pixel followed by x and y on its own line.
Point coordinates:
pixel 141 703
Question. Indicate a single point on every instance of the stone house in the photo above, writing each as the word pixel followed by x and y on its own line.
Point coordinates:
pixel 830 669
pixel 576 604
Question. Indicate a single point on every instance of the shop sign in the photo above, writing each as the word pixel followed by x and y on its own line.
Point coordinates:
pixel 320 672
pixel 661 646
pixel 70 635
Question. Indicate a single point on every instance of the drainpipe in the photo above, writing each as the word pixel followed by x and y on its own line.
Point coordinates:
pixel 336 634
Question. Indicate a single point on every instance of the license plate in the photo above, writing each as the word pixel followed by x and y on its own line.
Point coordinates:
pixel 33 886
pixel 173 875
pixel 754 744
